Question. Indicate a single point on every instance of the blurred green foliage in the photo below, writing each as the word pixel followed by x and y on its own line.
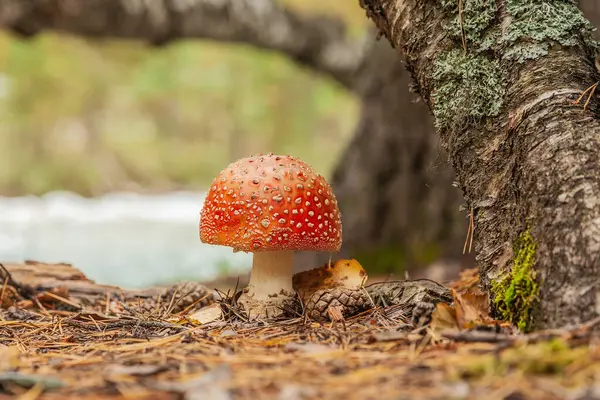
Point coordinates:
pixel 94 116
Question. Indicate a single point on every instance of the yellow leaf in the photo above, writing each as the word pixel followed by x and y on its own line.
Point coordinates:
pixel 343 273
pixel 443 318
pixel 472 308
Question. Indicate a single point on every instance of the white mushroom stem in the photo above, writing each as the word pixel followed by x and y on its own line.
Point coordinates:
pixel 271 274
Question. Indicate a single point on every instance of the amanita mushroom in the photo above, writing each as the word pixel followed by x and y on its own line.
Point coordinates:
pixel 271 206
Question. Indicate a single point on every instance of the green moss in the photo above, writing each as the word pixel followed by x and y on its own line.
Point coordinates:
pixel 466 85
pixel 548 358
pixel 544 358
pixel 516 293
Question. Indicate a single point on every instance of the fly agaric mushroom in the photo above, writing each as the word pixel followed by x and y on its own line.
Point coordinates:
pixel 271 206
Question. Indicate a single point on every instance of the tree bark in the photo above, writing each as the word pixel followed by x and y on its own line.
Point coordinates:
pixel 526 157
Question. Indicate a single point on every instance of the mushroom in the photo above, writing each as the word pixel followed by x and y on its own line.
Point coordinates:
pixel 272 206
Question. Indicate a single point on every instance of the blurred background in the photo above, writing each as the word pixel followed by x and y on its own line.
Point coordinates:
pixel 107 145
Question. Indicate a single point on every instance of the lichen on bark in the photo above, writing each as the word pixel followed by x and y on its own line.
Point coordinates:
pixel 535 25
pixel 470 80
pixel 466 85
pixel 471 22
pixel 467 80
pixel 516 293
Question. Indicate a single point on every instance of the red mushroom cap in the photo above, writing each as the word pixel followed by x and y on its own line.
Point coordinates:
pixel 271 203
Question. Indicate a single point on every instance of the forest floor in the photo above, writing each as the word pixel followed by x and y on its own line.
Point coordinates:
pixel 65 337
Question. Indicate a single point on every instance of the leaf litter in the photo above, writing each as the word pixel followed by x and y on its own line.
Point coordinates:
pixel 88 341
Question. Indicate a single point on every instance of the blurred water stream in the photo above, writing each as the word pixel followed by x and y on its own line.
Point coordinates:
pixel 126 239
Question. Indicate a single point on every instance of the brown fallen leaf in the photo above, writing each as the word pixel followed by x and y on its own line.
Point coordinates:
pixel 469 278
pixel 206 314
pixel 443 319
pixel 472 308
pixel 342 273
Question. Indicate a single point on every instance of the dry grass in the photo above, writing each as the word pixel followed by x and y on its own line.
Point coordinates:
pixel 110 350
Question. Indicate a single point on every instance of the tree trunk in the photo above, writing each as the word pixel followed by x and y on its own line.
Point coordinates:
pixel 526 157
pixel 393 183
